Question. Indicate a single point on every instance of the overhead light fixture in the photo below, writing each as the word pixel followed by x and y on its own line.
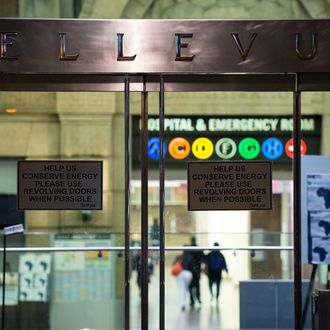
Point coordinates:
pixel 10 110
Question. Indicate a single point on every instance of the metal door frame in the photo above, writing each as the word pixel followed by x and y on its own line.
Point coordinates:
pixel 33 73
pixel 161 87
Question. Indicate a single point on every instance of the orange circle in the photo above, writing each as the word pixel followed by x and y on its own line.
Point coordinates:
pixel 179 148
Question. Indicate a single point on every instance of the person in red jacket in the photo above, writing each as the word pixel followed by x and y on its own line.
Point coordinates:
pixel 184 277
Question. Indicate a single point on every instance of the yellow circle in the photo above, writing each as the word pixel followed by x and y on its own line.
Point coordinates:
pixel 202 148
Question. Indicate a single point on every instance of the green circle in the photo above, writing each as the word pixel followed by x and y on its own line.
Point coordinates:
pixel 249 148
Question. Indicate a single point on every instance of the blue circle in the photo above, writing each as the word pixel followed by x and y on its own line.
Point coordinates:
pixel 154 148
pixel 272 148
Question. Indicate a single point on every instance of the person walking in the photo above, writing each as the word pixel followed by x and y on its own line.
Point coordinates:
pixel 197 257
pixel 154 238
pixel 215 263
pixel 183 277
pixel 138 268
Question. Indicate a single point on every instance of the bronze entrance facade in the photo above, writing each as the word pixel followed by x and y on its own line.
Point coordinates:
pixel 168 56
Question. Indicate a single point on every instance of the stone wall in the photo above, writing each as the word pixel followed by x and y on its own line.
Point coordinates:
pixel 8 8
pixel 207 9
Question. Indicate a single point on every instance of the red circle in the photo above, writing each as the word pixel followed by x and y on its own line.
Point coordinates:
pixel 289 148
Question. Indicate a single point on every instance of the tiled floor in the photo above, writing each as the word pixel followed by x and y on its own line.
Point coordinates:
pixel 207 316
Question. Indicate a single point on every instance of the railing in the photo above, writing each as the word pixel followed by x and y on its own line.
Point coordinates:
pixel 151 248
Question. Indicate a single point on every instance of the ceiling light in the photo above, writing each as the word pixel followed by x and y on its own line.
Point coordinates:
pixel 10 110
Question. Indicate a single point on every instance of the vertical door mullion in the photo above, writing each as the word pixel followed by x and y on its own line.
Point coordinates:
pixel 144 207
pixel 297 204
pixel 127 202
pixel 161 209
pixel 3 310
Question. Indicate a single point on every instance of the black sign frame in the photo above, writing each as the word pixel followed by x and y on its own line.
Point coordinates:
pixel 48 204
pixel 192 202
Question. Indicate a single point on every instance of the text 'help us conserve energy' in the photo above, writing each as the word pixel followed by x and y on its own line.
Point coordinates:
pixel 60 185
pixel 229 185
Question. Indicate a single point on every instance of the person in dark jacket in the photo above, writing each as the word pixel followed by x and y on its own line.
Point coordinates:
pixel 138 268
pixel 197 257
pixel 215 263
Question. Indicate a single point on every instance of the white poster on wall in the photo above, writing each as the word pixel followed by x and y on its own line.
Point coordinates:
pixel 320 250
pixel 69 260
pixel 42 264
pixel 82 276
pixel 34 270
pixel 27 263
pixel 318 210
pixel 319 223
pixel 318 192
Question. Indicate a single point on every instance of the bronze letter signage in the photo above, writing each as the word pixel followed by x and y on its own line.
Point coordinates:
pixel 179 44
pixel 163 46
pixel 63 55
pixel 120 56
pixel 243 52
pixel 6 40
pixel 312 53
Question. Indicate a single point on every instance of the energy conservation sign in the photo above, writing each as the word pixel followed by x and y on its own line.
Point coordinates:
pixel 59 185
pixel 229 185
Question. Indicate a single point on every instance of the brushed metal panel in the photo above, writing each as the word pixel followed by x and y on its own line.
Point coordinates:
pixel 37 46
pixel 173 83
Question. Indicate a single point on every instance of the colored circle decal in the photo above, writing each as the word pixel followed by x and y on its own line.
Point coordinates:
pixel 202 148
pixel 179 148
pixel 289 148
pixel 272 148
pixel 249 148
pixel 225 148
pixel 154 148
